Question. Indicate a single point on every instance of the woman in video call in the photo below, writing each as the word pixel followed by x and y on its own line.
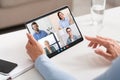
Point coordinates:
pixel 38 33
pixel 71 37
pixel 50 72
pixel 64 21
pixel 49 48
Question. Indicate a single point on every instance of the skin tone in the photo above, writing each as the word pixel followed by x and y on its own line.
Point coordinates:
pixel 70 33
pixel 61 16
pixel 47 45
pixel 34 49
pixel 35 27
pixel 112 47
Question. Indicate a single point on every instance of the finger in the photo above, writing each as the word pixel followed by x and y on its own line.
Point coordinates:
pixel 28 45
pixel 93 40
pixel 104 38
pixel 100 45
pixel 31 39
pixel 98 41
pixel 90 44
pixel 107 39
pixel 95 45
pixel 104 54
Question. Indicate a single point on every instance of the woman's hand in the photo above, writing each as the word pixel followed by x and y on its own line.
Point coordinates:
pixel 34 49
pixel 112 47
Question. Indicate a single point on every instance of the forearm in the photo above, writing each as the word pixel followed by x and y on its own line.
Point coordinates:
pixel 113 73
pixel 49 71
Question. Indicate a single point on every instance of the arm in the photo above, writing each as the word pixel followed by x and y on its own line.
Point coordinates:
pixel 43 64
pixel 70 19
pixel 49 71
pixel 112 53
pixel 112 47
pixel 113 73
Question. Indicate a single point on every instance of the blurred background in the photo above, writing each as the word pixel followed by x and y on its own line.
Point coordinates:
pixel 14 13
pixel 82 7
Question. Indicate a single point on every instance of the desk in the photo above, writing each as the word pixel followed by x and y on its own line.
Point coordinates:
pixel 81 61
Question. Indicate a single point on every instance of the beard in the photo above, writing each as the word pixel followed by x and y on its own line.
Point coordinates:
pixel 37 30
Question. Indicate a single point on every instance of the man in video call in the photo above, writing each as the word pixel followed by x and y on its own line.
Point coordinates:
pixel 38 33
pixel 71 37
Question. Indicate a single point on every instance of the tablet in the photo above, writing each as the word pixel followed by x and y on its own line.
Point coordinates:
pixel 6 66
pixel 55 31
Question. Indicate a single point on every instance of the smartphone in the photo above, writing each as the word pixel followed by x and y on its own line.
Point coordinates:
pixel 6 66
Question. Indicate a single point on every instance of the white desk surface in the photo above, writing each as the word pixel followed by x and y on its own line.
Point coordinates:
pixel 12 48
pixel 81 61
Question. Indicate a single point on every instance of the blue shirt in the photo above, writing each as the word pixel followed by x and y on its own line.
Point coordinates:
pixel 64 23
pixel 39 35
pixel 50 72
pixel 69 39
pixel 113 73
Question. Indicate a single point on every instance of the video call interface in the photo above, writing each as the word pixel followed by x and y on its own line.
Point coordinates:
pixel 56 31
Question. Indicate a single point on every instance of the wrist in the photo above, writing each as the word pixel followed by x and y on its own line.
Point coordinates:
pixel 39 55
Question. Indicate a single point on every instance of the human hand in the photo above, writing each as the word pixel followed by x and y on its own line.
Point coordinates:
pixel 34 49
pixel 112 47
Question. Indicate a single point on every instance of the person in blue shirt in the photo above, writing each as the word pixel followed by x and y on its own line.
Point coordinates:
pixel 64 21
pixel 71 37
pixel 50 72
pixel 38 33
